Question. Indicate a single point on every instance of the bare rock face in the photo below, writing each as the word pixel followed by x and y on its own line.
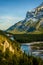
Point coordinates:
pixel 32 22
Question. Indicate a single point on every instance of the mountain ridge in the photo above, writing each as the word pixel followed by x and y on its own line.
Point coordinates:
pixel 32 22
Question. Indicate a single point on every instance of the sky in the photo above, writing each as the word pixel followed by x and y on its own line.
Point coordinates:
pixel 12 11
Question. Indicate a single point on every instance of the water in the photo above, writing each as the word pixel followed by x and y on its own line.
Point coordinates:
pixel 27 47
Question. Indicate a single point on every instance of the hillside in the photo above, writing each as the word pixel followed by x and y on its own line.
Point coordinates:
pixel 5 43
pixel 10 53
pixel 33 22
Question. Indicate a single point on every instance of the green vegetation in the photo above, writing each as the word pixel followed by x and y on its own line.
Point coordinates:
pixel 40 45
pixel 11 54
pixel 26 38
pixel 37 46
pixel 27 27
pixel 8 59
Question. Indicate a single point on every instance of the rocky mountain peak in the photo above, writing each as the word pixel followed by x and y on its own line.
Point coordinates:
pixel 32 22
pixel 39 8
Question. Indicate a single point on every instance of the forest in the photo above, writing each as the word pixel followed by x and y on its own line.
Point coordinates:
pixel 26 38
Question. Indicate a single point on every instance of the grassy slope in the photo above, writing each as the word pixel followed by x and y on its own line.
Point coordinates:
pixel 36 25
pixel 14 44
pixel 17 57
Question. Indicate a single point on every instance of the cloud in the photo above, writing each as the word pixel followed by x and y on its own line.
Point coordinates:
pixel 10 18
pixel 7 21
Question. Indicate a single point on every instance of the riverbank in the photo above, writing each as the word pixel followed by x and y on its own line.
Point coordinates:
pixel 33 48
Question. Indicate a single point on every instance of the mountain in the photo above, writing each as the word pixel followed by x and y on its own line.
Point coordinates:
pixel 33 22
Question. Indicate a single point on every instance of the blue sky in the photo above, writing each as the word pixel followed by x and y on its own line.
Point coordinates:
pixel 11 11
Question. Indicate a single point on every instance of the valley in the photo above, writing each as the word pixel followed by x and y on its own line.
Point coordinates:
pixel 14 53
pixel 22 43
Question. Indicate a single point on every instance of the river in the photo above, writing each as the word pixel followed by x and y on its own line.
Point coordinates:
pixel 34 48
